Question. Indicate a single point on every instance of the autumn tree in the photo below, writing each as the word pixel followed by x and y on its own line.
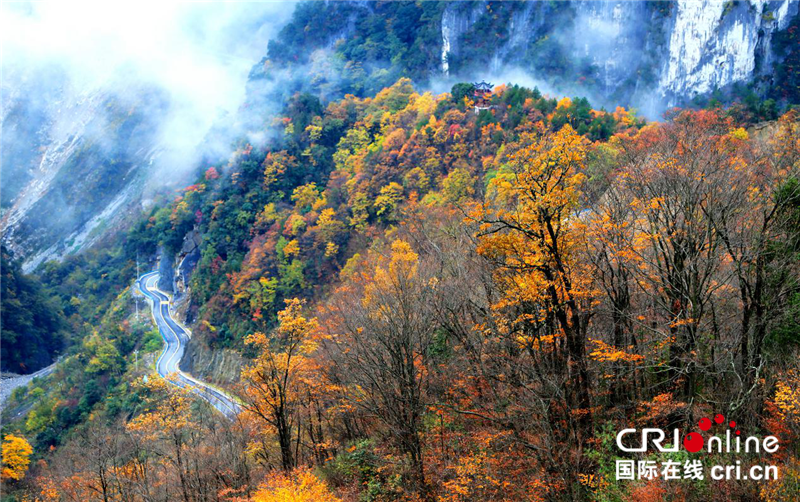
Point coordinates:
pixel 275 382
pixel 379 327
pixel 531 230
pixel 678 252
pixel 167 452
pixel 16 457
pixel 702 211
pixel 753 210
pixel 300 485
pixel 169 430
pixel 613 266
pixel 101 463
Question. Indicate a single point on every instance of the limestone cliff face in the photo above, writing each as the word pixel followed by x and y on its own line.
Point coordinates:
pixel 217 366
pixel 166 267
pixel 714 43
pixel 665 51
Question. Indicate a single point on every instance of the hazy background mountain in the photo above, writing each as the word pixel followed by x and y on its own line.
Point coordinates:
pixel 649 55
pixel 101 99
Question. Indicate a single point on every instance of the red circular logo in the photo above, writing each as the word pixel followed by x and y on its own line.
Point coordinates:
pixel 693 442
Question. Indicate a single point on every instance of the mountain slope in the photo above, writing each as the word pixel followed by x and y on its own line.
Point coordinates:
pixel 418 289
pixel 32 323
pixel 77 164
pixel 75 161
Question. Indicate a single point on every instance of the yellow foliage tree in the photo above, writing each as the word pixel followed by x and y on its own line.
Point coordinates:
pixel 168 421
pixel 787 397
pixel 277 378
pixel 531 229
pixel 388 200
pixel 299 486
pixel 328 226
pixel 16 457
pixel 305 196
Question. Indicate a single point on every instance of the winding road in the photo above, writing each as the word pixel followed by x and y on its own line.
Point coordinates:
pixel 176 337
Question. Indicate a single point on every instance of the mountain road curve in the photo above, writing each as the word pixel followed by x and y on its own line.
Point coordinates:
pixel 175 339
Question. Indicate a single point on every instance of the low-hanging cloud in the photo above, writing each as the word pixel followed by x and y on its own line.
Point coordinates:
pixel 195 55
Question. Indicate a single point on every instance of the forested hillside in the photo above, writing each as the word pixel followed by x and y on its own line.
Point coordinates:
pixel 280 223
pixel 439 304
pixel 32 323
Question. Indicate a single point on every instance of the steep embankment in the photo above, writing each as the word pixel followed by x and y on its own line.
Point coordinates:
pixel 11 381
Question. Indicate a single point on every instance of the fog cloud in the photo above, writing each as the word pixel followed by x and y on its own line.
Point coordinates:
pixel 196 55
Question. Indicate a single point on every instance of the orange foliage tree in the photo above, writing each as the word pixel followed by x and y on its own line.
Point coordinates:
pixel 532 231
pixel 300 485
pixel 279 377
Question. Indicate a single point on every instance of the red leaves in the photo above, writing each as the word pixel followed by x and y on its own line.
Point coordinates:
pixel 211 174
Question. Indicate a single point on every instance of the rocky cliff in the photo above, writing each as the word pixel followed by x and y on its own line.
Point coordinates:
pixel 647 53
pixel 73 162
